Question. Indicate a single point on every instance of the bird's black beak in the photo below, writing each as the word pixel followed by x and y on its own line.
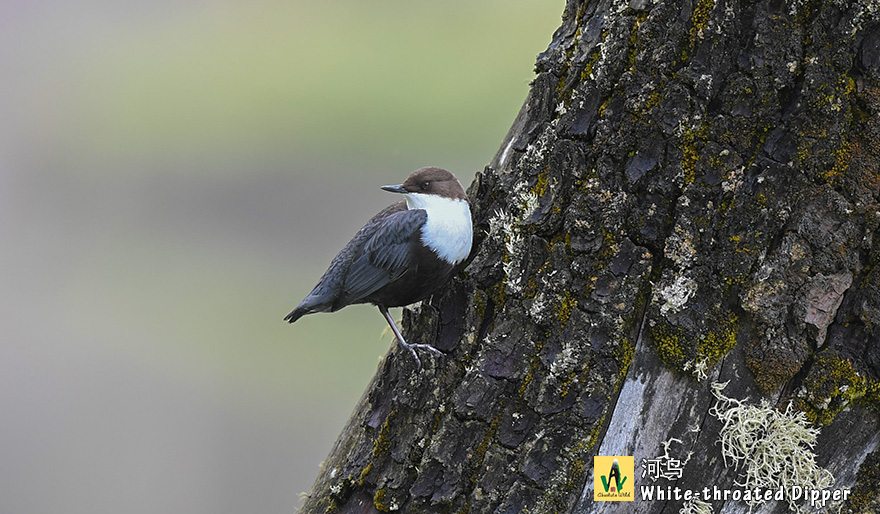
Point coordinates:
pixel 395 189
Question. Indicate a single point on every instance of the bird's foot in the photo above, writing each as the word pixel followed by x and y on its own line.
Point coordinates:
pixel 412 349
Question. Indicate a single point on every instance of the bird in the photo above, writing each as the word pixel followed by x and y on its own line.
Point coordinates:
pixel 403 254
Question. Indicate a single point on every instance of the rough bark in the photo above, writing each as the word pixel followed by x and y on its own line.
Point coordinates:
pixel 689 186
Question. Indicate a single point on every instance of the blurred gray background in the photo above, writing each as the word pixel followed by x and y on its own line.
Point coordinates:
pixel 174 178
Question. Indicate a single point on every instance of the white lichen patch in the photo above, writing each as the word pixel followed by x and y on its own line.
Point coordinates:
pixel 506 225
pixel 541 306
pixel 698 369
pixel 666 444
pixel 619 7
pixel 794 6
pixel 763 295
pixel 528 201
pixel 733 180
pixel 864 10
pixel 673 297
pixel 566 361
pixel 561 109
pixel 773 448
pixel 696 506
pixel 536 153
pixel 641 101
pixel 613 45
pixel 501 224
pixel 680 247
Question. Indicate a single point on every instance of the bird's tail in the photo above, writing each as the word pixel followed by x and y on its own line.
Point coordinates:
pixel 296 314
pixel 310 304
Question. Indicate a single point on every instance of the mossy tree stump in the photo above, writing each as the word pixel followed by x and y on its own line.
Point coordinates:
pixel 689 195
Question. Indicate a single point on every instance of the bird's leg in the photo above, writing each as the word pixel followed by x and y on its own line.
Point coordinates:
pixel 402 341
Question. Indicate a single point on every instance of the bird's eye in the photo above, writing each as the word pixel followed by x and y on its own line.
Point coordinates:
pixel 426 184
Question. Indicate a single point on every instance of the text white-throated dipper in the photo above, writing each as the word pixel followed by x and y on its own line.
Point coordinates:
pixel 403 254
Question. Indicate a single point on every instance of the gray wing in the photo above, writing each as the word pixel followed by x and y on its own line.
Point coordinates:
pixel 375 256
pixel 385 256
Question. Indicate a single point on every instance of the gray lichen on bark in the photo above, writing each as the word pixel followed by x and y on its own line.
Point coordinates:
pixel 688 186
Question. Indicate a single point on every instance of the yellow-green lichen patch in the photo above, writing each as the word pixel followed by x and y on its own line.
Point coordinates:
pixel 842 158
pixel 690 153
pixel 383 441
pixel 379 501
pixel 609 247
pixel 595 431
pixel 531 288
pixel 381 447
pixel 771 368
pixel 624 355
pixel 477 457
pixel 872 395
pixel 480 454
pixel 479 305
pixel 683 352
pixel 830 386
pixel 365 473
pixel 498 295
pixel 634 45
pixel 567 304
pixel 541 184
pixel 700 19
pixel 567 480
pixel 566 384
pixel 594 57
pixel 865 491
pixel 653 100
pixel 805 149
pixel 761 201
pixel 669 341
pixel 805 11
pixel 588 68
pixel 563 238
pixel 564 95
pixel 831 97
pixel 533 367
pixel 603 107
pixel 719 341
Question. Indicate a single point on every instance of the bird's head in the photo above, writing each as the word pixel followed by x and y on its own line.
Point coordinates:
pixel 430 181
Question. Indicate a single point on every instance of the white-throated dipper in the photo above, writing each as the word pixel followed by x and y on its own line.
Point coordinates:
pixel 402 255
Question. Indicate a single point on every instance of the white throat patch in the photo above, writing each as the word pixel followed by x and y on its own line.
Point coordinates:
pixel 448 230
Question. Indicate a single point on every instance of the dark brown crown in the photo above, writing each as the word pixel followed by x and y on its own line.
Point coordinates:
pixel 434 181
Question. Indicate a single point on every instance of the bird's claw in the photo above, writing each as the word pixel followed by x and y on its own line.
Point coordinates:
pixel 402 341
pixel 412 349
pixel 428 347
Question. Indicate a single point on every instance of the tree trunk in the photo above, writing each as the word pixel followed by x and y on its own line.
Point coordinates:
pixel 688 196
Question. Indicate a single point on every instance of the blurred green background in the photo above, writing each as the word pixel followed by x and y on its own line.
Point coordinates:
pixel 174 178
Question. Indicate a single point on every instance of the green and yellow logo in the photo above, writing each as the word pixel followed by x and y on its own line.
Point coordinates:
pixel 613 478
